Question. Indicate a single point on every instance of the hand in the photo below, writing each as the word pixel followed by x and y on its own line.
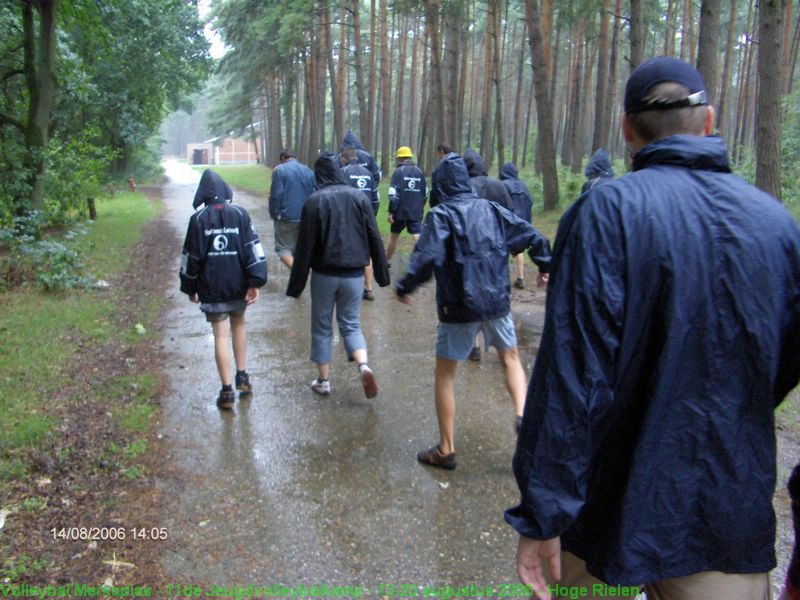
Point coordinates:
pixel 530 563
pixel 541 279
pixel 405 299
pixel 251 296
pixel 194 298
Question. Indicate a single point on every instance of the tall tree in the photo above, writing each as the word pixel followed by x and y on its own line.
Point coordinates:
pixel 770 92
pixel 708 46
pixel 544 107
pixel 638 33
pixel 39 43
pixel 602 108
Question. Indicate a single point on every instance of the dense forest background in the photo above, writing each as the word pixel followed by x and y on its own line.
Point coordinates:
pixel 86 85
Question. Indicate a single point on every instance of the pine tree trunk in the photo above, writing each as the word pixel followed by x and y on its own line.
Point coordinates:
pixel 361 92
pixel 386 85
pixel 369 134
pixel 724 86
pixel 400 104
pixel 708 46
pixel 638 33
pixel 543 105
pixel 601 105
pixel 770 92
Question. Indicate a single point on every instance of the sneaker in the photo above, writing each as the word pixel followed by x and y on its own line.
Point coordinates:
pixel 243 383
pixel 517 424
pixel 226 399
pixel 433 457
pixel 368 295
pixel 519 283
pixel 323 388
pixel 475 354
pixel 368 381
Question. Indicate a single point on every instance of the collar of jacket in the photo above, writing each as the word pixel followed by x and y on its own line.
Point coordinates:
pixel 693 152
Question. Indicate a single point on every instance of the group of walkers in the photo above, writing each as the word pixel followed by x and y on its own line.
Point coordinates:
pixel 646 451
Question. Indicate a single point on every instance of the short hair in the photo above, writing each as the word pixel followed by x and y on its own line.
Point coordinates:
pixel 444 148
pixel 653 125
pixel 349 154
pixel 287 153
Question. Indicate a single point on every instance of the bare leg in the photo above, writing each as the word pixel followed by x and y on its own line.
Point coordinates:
pixel 515 378
pixel 222 350
pixel 368 276
pixel 444 393
pixel 288 260
pixel 520 258
pixel 392 245
pixel 324 370
pixel 360 356
pixel 239 342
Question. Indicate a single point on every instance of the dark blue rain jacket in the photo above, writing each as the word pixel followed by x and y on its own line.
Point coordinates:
pixel 598 170
pixel 465 243
pixel 520 195
pixel 484 186
pixel 365 159
pixel 212 188
pixel 672 331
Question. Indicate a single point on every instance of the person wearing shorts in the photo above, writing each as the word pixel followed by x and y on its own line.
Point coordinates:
pixel 407 193
pixel 292 183
pixel 222 268
pixel 465 244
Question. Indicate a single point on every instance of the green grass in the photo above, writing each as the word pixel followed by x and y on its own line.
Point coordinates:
pixel 39 331
pixel 253 179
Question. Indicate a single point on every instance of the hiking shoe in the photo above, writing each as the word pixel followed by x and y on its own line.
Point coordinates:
pixel 243 383
pixel 368 295
pixel 323 388
pixel 475 354
pixel 433 457
pixel 368 381
pixel 517 424
pixel 226 399
pixel 519 283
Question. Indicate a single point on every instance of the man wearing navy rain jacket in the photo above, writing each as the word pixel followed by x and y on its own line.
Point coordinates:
pixel 647 454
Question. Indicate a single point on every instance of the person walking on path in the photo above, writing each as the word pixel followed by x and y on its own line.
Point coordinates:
pixel 222 267
pixel 523 205
pixel 483 184
pixel 647 455
pixel 359 177
pixel 365 161
pixel 338 236
pixel 598 170
pixel 465 244
pixel 407 193
pixel 292 183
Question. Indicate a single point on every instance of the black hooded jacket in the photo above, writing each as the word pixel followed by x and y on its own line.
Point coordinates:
pixel 338 234
pixel 222 255
pixel 598 170
pixel 520 195
pixel 483 185
pixel 365 159
pixel 465 244
pixel 212 188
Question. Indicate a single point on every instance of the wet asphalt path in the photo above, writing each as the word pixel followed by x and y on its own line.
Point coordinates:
pixel 293 489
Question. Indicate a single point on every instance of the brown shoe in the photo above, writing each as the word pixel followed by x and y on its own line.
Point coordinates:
pixel 433 457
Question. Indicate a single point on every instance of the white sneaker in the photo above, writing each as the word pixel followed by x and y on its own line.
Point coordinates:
pixel 368 381
pixel 323 388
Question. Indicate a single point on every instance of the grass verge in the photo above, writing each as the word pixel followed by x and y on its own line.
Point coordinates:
pixel 42 335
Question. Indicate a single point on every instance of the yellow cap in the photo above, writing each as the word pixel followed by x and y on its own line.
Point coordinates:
pixel 404 152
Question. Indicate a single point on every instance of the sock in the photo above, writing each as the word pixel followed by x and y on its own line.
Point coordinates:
pixel 227 388
pixel 361 367
pixel 241 373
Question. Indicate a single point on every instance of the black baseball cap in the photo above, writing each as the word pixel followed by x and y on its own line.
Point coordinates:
pixel 660 70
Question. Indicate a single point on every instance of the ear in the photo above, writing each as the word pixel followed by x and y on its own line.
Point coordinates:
pixel 627 129
pixel 708 125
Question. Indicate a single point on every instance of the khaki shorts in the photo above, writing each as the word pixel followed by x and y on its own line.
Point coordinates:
pixel 577 582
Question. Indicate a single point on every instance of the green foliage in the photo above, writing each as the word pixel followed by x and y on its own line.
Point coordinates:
pixel 76 169
pixel 23 566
